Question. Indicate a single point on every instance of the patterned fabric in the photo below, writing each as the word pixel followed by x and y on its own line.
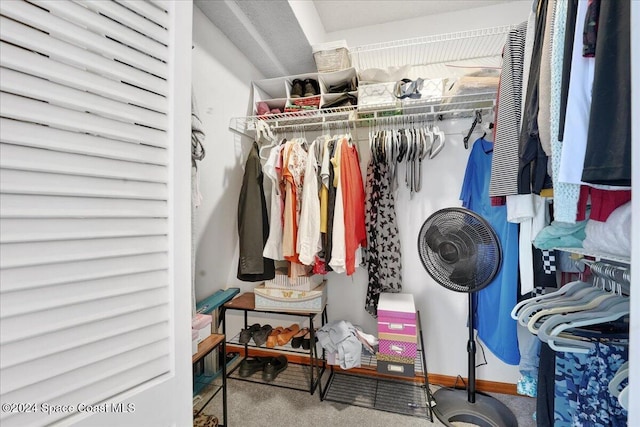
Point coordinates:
pixel 549 261
pixel 383 250
pixel 504 171
pixel 565 196
pixel 581 393
pixel 527 386
pixel 590 33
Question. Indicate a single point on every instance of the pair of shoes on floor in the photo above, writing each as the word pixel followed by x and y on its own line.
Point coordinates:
pixel 270 367
pixel 281 336
pixel 303 339
pixel 303 88
pixel 260 334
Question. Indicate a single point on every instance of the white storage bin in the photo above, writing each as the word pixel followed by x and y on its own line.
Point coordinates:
pixel 332 56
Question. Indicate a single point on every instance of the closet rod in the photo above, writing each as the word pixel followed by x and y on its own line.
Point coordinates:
pixel 316 120
pixel 385 120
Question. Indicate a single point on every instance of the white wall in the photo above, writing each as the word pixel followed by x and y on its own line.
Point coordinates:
pixel 222 78
pixel 477 18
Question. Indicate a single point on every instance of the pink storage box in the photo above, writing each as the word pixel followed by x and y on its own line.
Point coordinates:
pixel 397 306
pixel 398 348
pixel 393 325
pixel 202 323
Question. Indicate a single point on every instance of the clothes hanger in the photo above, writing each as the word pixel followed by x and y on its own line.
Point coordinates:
pixel 555 341
pixel 565 290
pixel 602 311
pixel 439 145
pixel 584 294
pixel 592 302
pixel 621 374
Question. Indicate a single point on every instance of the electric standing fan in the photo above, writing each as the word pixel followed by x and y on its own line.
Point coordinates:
pixel 461 252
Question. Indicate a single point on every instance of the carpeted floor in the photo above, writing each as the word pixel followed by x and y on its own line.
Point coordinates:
pixel 257 405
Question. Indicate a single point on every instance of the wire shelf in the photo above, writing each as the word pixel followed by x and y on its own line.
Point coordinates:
pixel 440 107
pixel 474 48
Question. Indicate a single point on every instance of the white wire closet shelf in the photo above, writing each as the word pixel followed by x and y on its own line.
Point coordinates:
pixel 441 55
pixel 414 110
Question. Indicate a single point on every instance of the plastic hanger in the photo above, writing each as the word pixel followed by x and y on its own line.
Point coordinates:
pixel 580 306
pixel 621 375
pixel 567 290
pixel 525 314
pixel 604 309
pixel 556 343
pixel 438 143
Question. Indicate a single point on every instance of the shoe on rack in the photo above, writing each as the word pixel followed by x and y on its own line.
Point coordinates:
pixel 273 367
pixel 286 335
pixel 260 336
pixel 250 366
pixel 311 87
pixel 296 340
pixel 272 340
pixel 306 341
pixel 246 334
pixel 297 87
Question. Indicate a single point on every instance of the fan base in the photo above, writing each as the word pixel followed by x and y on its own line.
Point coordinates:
pixel 453 406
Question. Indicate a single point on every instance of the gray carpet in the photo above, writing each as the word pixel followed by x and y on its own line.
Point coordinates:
pixel 257 405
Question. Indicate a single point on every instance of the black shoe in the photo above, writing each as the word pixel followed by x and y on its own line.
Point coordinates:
pixel 273 367
pixel 249 367
pixel 246 334
pixel 260 336
pixel 311 87
pixel 296 88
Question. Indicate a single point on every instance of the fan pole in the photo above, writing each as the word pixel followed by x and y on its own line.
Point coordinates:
pixel 471 350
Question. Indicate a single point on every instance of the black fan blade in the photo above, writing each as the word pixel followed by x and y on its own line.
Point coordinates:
pixel 464 271
pixel 434 238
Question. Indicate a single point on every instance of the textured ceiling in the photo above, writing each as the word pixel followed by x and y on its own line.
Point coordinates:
pixel 267 32
pixel 339 15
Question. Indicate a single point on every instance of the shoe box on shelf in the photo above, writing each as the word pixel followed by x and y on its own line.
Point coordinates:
pixel 202 324
pixel 305 92
pixel 397 334
pixel 303 294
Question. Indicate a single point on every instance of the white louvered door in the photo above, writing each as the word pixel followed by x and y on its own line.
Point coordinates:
pixel 94 212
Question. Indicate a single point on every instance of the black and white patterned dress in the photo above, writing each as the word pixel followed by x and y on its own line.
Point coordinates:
pixel 383 251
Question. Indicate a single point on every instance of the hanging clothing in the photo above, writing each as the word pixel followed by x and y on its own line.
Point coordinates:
pixel 493 304
pixel 581 396
pixel 295 162
pixel 353 198
pixel 253 223
pixel 574 143
pixel 309 243
pixel 383 251
pixel 608 154
pixel 338 248
pixel 328 176
pixel 565 195
pixel 532 167
pixel 504 170
pixel 273 247
pixel 544 118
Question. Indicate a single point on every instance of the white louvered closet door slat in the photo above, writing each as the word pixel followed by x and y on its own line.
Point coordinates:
pixel 85 295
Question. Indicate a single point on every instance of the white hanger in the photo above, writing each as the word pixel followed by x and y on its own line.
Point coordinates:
pixel 621 375
pixel 567 290
pixel 554 339
pixel 525 314
pixel 604 309
pixel 439 145
pixel 579 306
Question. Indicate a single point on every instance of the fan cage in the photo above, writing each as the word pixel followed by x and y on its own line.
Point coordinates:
pixel 461 225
